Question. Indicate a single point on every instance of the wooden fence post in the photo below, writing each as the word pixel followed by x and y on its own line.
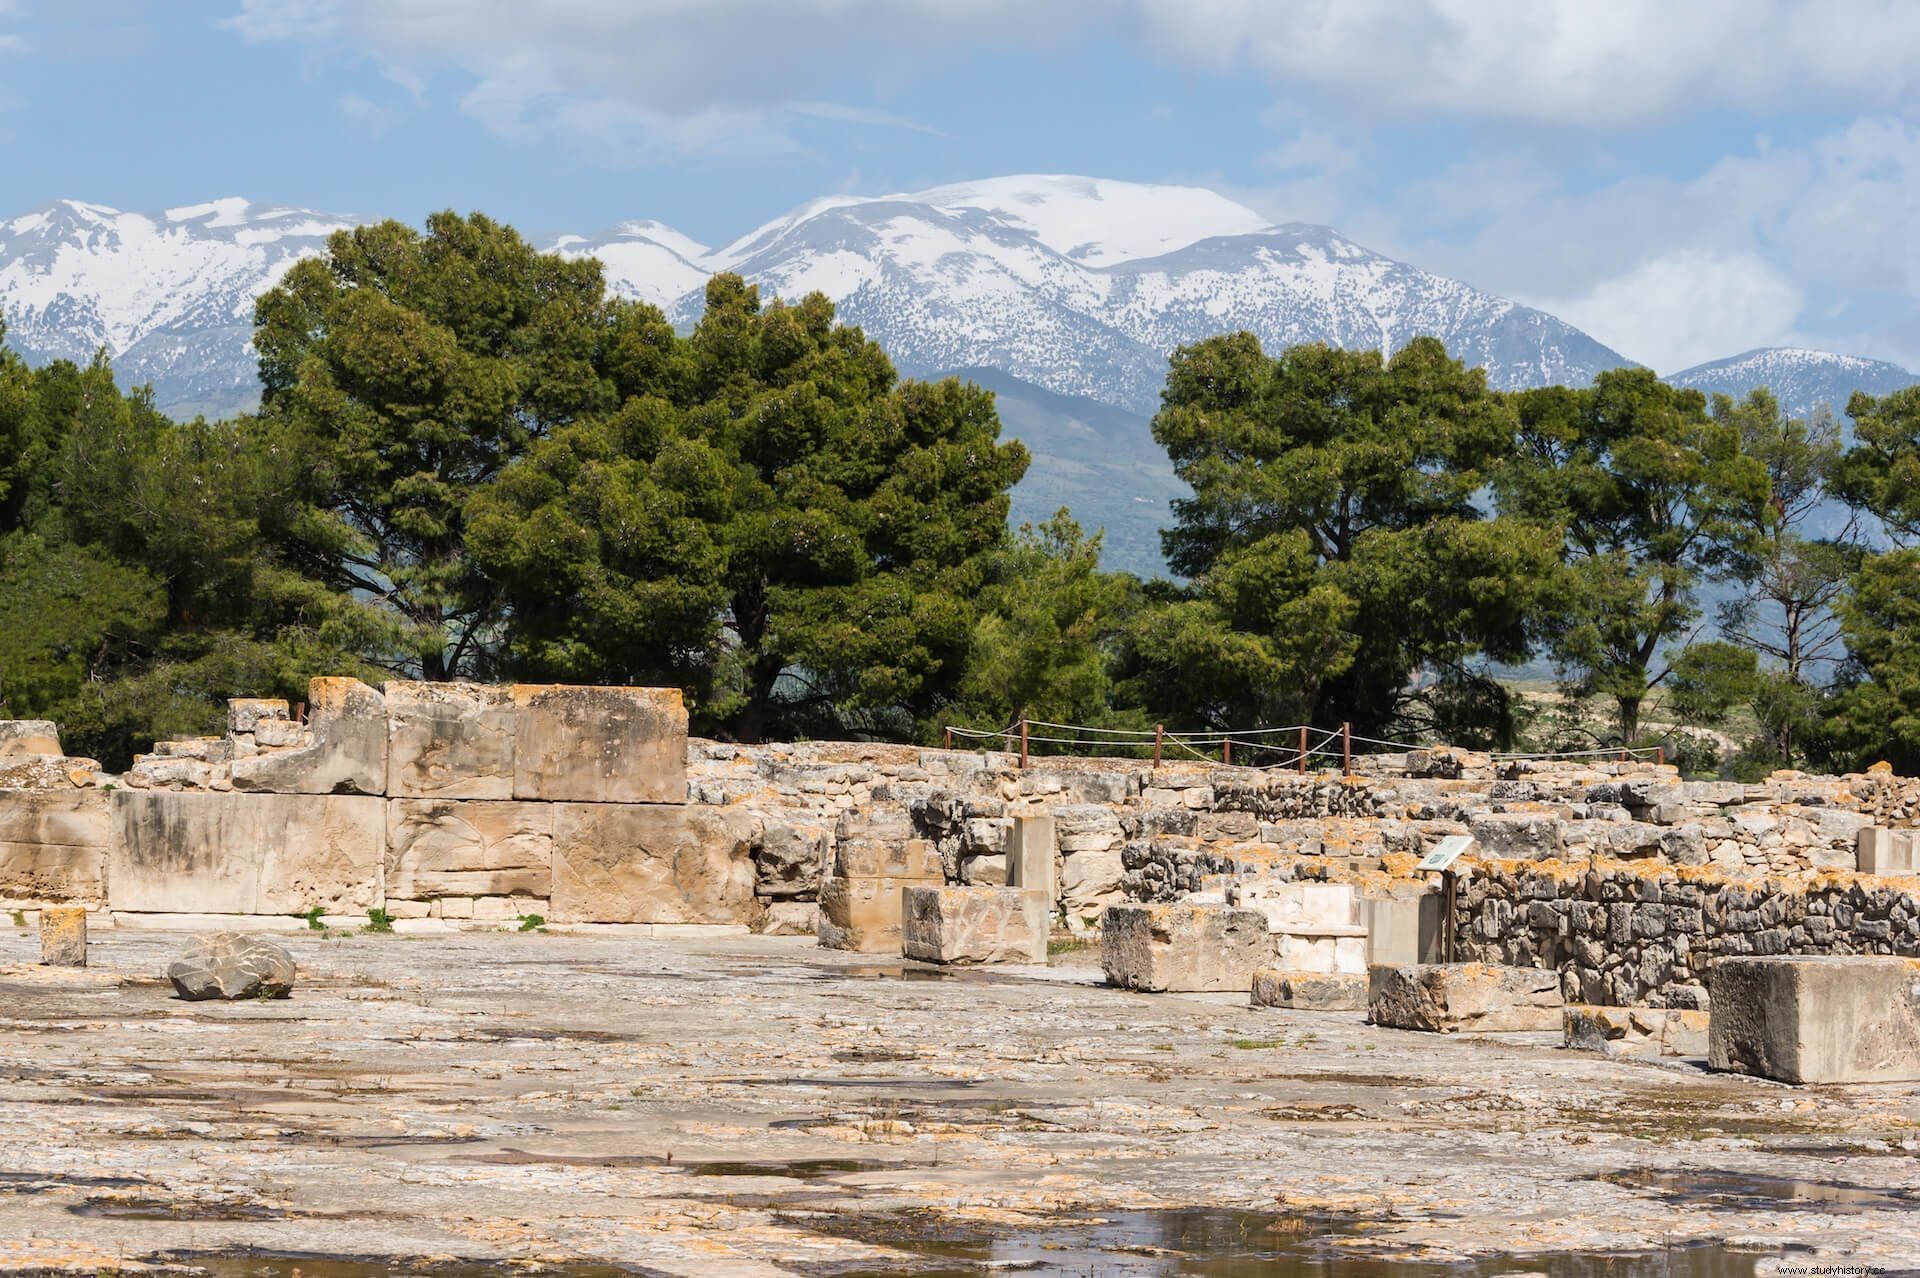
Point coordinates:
pixel 1303 749
pixel 1226 752
pixel 1159 733
pixel 1346 749
pixel 1023 741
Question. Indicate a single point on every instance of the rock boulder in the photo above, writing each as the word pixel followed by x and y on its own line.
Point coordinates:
pixel 231 965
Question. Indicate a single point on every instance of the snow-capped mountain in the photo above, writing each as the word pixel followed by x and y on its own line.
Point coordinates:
pixel 1800 379
pixel 168 295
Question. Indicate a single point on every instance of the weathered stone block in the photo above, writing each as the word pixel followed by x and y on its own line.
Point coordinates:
pixel 652 863
pixel 862 858
pixel 1643 1032
pixel 1476 997
pixel 200 853
pixel 974 924
pixel 346 752
pixel 864 914
pixel 53 844
pixel 1403 929
pixel 468 847
pixel 63 935
pixel 244 714
pixel 1310 991
pixel 1826 1019
pixel 1325 952
pixel 1882 851
pixel 789 918
pixel 599 745
pixel 450 740
pixel 1030 854
pixel 29 738
pixel 791 861
pixel 1301 907
pixel 1182 948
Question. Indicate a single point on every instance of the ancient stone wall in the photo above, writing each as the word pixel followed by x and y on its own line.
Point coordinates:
pixel 1634 934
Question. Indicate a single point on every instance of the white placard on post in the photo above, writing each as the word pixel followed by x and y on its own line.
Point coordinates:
pixel 1446 852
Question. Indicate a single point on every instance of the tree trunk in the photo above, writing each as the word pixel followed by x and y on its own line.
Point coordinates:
pixel 1629 708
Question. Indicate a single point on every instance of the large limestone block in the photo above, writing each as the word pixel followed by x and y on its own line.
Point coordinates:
pixel 468 847
pixel 1181 948
pixel 652 863
pixel 1325 952
pixel 29 739
pixel 201 853
pixel 1031 852
pixel 791 860
pixel 862 858
pixel 974 924
pixel 1825 1019
pixel 1305 907
pixel 1403 927
pixel 1477 997
pixel 450 740
pixel 53 844
pixel 864 914
pixel 1881 851
pixel 599 745
pixel 344 750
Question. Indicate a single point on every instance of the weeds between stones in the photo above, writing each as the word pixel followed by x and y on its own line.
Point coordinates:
pixel 313 918
pixel 533 923
pixel 378 920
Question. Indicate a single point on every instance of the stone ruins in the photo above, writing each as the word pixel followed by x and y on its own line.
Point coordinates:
pixel 1588 885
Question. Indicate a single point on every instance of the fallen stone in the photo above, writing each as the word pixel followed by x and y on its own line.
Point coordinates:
pixel 232 965
pixel 63 936
pixel 789 918
pixel 245 714
pixel 599 745
pixel 974 924
pixel 450 740
pixel 1310 991
pixel 1816 1019
pixel 345 750
pixel 790 861
pixel 653 863
pixel 1642 1032
pixel 1184 948
pixel 1475 997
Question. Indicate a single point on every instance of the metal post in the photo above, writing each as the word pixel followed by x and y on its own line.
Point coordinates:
pixel 1303 749
pixel 1159 732
pixel 1023 742
pixel 1346 749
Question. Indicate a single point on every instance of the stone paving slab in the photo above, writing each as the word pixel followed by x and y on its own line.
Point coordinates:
pixel 693 1104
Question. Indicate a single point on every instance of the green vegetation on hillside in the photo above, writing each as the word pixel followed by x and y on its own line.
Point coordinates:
pixel 470 462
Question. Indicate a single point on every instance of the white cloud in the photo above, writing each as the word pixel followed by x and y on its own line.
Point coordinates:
pixel 1686 308
pixel 1562 62
pixel 654 76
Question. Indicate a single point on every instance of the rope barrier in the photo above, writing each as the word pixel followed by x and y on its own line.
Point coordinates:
pixel 1313 743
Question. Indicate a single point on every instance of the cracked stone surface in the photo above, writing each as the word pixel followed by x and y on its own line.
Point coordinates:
pixel 756 1105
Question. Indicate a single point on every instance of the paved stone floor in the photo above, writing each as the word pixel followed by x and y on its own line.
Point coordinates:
pixel 746 1105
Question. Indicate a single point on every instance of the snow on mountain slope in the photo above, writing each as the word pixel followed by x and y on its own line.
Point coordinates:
pixel 169 295
pixel 1098 222
pixel 1800 379
pixel 651 260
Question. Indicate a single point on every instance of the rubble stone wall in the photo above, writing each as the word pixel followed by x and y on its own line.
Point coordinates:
pixel 1627 934
pixel 462 801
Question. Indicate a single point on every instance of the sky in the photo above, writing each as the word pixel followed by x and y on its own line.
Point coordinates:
pixel 1683 181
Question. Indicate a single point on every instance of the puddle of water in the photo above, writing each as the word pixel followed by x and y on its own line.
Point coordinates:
pixel 796 1169
pixel 317 1265
pixel 1229 1244
pixel 1739 1189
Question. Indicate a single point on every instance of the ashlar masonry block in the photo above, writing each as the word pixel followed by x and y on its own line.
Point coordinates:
pixel 1816 1019
pixel 652 863
pixel 450 740
pixel 1476 997
pixel 1184 948
pixel 974 924
pixel 599 745
pixel 344 750
pixel 468 847
pixel 223 853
